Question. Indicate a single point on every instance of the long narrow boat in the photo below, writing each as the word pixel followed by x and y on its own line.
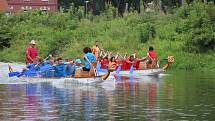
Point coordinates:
pixel 148 72
pixel 86 78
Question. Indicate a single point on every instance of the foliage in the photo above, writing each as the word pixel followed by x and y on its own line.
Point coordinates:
pixel 198 27
pixel 188 34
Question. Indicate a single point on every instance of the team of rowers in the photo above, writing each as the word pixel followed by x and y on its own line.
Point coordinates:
pixel 104 60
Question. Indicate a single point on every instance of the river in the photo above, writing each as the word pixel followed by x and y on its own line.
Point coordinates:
pixel 171 96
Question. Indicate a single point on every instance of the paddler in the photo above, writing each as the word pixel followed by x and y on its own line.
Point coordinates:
pixel 32 66
pixel 152 57
pixel 89 58
pixel 60 68
pixel 112 64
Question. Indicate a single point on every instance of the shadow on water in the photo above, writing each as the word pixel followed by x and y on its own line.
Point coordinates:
pixel 175 96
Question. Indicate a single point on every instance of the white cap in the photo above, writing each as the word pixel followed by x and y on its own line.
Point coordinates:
pixel 33 42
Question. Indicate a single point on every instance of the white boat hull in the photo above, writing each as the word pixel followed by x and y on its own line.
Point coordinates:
pixel 95 80
pixel 148 72
pixel 81 81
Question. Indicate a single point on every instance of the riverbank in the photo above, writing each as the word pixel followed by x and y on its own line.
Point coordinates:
pixel 188 33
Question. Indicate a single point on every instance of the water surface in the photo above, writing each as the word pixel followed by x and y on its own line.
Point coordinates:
pixel 173 96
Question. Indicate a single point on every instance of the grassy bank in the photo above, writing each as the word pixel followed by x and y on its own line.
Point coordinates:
pixel 188 33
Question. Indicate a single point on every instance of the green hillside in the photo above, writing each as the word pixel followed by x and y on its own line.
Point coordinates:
pixel 187 32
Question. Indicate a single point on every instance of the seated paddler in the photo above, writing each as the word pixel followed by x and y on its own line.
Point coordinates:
pixel 77 68
pixel 47 69
pixel 112 64
pixel 60 68
pixel 69 67
pixel 32 68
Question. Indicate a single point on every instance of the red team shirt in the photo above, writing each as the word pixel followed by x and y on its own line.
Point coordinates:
pixel 152 54
pixel 32 52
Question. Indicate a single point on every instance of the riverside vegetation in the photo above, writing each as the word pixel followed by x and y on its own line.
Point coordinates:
pixel 187 32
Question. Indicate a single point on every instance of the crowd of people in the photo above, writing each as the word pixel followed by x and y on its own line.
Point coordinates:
pixel 93 58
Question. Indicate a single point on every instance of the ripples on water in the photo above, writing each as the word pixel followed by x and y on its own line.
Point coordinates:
pixel 177 96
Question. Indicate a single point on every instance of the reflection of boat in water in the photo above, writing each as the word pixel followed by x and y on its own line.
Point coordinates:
pixel 136 78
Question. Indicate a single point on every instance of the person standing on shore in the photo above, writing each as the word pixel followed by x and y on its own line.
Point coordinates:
pixel 31 52
pixel 95 50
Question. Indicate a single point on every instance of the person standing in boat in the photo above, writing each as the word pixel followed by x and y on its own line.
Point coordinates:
pixel 31 52
pixel 89 58
pixel 95 50
pixel 152 58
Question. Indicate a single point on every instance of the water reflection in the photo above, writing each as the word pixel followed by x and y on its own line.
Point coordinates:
pixel 130 98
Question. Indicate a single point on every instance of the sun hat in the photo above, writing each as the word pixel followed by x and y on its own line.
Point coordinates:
pixel 33 42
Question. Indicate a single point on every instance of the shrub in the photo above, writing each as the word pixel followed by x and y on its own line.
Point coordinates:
pixel 147 31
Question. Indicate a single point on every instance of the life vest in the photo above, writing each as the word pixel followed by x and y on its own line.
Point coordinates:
pixel 112 65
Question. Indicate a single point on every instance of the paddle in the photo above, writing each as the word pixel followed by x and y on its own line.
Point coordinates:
pixel 99 70
pixel 131 69
pixel 30 72
pixel 118 69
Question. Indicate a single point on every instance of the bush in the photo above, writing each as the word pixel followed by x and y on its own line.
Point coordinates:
pixel 190 28
pixel 198 27
pixel 147 31
pixel 5 37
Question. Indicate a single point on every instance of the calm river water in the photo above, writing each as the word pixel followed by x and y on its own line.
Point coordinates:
pixel 174 96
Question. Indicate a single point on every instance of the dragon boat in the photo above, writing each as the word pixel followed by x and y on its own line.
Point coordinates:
pixel 80 77
pixel 151 71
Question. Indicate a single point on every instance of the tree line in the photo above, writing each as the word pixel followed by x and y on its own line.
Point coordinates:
pixel 97 6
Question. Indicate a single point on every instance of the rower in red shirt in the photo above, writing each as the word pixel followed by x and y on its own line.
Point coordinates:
pixel 129 62
pixel 152 57
pixel 31 52
pixel 104 63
